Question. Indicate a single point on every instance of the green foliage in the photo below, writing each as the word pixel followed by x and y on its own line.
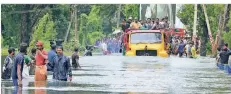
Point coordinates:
pixel 226 35
pixel 186 15
pixel 11 32
pixel 43 31
pixel 93 36
pixel 82 29
pixel 94 22
pixel 208 48
pixel 130 10
pixel 61 17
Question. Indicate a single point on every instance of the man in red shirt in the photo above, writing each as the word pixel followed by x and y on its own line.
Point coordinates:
pixel 41 61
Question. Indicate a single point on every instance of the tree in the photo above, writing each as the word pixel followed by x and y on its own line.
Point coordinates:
pixel 43 31
pixel 213 12
pixel 130 10
pixel 226 35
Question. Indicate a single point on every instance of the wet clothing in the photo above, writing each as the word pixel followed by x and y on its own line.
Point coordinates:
pixel 41 69
pixel 40 73
pixel 51 55
pixel 18 60
pixel 224 55
pixel 8 64
pixel 75 60
pixel 61 67
pixel 39 59
pixel 181 49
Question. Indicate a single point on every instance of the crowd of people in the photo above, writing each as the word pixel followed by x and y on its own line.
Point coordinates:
pixel 183 47
pixel 149 24
pixel 38 63
pixel 109 44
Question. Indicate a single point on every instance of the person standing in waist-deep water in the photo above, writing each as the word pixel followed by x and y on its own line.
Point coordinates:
pixel 8 64
pixel 181 48
pixel 51 54
pixel 41 60
pixel 75 59
pixel 61 66
pixel 18 66
pixel 224 55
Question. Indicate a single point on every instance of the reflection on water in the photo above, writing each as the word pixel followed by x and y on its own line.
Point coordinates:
pixel 40 84
pixel 132 75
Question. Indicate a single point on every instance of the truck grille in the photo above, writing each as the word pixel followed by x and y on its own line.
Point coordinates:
pixel 146 53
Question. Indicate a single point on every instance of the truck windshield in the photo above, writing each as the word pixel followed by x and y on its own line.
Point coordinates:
pixel 154 37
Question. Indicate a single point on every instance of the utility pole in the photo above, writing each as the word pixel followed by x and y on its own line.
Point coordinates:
pixel 71 20
pixel 76 33
pixel 195 24
pixel 140 12
pixel 118 16
pixel 208 26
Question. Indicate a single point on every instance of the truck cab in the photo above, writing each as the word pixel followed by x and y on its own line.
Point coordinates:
pixel 145 43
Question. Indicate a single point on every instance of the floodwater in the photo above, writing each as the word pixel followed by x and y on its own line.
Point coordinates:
pixel 132 75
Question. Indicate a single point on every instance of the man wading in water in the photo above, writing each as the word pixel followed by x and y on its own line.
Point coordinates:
pixel 75 59
pixel 8 63
pixel 41 60
pixel 61 66
pixel 18 66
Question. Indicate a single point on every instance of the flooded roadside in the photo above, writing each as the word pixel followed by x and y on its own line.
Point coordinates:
pixel 128 75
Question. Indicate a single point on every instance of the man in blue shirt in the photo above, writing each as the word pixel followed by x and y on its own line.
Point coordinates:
pixel 51 54
pixel 61 66
pixel 18 66
pixel 181 48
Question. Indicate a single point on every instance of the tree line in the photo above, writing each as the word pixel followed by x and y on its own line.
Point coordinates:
pixel 31 22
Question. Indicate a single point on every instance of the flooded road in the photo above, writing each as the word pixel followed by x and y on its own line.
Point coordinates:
pixel 128 75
